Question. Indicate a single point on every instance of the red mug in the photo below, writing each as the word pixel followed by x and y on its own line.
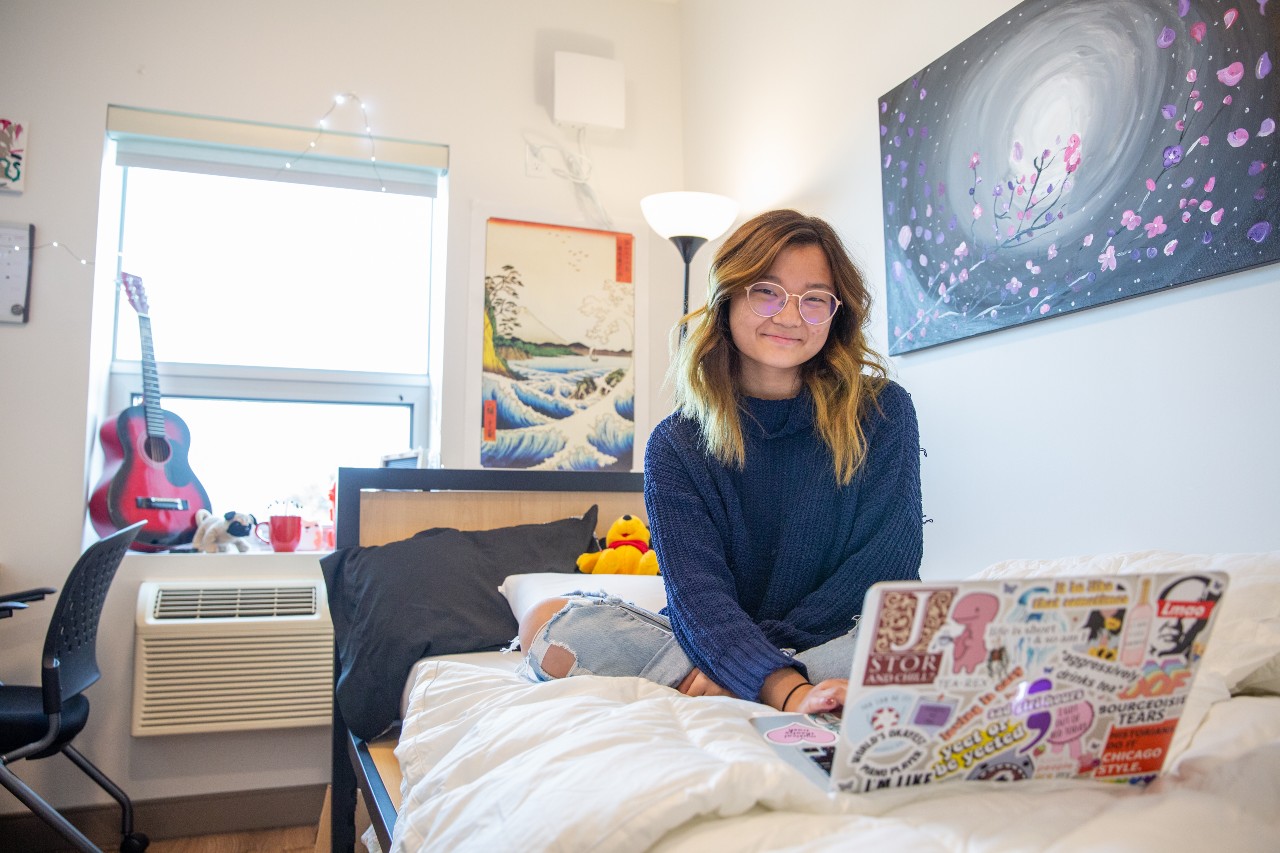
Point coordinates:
pixel 284 532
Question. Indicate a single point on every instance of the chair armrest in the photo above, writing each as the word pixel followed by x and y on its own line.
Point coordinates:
pixel 7 608
pixel 10 602
pixel 28 595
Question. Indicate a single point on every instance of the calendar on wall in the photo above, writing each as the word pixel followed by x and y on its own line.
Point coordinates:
pixel 15 271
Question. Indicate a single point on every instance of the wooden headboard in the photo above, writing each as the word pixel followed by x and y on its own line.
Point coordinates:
pixel 380 505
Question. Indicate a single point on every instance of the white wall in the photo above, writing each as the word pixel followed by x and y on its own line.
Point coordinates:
pixel 474 75
pixel 1143 424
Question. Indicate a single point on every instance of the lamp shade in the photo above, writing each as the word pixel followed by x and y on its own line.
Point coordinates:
pixel 689 214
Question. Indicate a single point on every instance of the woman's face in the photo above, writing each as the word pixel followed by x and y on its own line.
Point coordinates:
pixel 774 348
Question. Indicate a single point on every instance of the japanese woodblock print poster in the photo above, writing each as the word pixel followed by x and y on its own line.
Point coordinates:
pixel 1076 152
pixel 558 382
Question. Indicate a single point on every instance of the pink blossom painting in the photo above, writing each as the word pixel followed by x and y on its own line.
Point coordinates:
pixel 1077 152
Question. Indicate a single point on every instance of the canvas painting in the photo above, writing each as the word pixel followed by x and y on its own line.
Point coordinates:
pixel 1077 152
pixel 558 385
pixel 13 150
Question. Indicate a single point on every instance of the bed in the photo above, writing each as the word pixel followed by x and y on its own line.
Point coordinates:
pixel 381 510
pixel 480 758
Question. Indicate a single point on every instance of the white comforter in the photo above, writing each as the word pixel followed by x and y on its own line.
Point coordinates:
pixel 493 763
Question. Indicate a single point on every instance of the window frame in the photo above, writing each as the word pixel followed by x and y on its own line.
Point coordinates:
pixel 278 385
pixel 421 170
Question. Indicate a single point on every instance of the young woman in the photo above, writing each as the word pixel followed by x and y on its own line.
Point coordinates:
pixel 786 482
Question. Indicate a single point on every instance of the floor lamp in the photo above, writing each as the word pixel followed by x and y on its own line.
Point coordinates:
pixel 688 220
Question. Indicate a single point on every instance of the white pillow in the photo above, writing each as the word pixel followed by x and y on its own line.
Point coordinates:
pixel 1246 635
pixel 524 591
pixel 1265 679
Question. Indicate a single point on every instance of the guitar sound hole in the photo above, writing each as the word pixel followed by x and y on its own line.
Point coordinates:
pixel 157 449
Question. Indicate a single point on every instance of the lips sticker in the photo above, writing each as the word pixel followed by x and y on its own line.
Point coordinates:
pixel 797 734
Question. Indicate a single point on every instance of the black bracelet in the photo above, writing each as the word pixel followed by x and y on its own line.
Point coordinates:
pixel 789 695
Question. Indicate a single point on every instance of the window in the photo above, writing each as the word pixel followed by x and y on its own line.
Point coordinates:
pixel 287 297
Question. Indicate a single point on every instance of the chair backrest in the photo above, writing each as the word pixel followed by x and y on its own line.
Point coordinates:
pixel 70 661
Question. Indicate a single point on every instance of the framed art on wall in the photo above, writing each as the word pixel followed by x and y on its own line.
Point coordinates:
pixel 558 340
pixel 13 152
pixel 1077 152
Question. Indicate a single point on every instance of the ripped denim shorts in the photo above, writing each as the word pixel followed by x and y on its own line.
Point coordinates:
pixel 606 635
pixel 603 634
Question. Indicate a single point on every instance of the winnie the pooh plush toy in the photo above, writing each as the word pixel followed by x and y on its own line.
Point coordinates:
pixel 626 551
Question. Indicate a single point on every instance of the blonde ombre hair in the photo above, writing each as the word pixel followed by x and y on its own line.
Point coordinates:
pixel 844 378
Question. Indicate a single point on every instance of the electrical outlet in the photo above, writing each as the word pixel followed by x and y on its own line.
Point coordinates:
pixel 534 167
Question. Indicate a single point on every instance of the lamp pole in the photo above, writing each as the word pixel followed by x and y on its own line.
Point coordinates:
pixel 687 247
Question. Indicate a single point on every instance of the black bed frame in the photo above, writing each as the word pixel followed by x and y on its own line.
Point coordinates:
pixel 351 763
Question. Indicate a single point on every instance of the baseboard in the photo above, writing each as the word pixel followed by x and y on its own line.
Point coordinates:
pixel 176 817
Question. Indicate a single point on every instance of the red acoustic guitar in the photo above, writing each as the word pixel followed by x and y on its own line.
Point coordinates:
pixel 146 476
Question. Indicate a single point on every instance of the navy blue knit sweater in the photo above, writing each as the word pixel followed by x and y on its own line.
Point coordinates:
pixel 777 555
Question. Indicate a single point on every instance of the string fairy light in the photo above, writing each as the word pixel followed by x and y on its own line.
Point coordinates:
pixel 56 245
pixel 338 101
pixel 53 244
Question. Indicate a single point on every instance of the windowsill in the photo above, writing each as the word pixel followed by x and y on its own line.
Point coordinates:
pixel 265 552
pixel 232 565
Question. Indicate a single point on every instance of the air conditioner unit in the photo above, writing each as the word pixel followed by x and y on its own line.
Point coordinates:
pixel 214 656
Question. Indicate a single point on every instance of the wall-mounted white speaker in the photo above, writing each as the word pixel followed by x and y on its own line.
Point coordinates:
pixel 590 90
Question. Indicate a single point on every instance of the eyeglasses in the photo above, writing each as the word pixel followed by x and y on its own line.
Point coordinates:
pixel 766 299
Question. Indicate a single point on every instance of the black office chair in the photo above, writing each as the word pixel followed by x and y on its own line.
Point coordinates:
pixel 36 722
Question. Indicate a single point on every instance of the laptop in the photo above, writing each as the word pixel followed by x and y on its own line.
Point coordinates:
pixel 1010 679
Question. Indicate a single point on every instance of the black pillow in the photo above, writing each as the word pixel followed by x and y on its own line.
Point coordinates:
pixel 435 593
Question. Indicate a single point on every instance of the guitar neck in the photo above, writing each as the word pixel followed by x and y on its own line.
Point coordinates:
pixel 150 380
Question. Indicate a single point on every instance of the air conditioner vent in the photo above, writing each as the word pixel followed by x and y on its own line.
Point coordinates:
pixel 235 602
pixel 221 655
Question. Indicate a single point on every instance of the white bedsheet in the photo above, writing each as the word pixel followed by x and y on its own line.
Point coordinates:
pixel 506 661
pixel 492 762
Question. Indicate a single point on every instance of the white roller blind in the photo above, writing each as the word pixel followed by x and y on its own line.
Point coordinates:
pixel 187 143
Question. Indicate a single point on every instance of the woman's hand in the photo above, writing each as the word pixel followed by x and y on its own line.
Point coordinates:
pixel 696 683
pixel 787 691
pixel 825 697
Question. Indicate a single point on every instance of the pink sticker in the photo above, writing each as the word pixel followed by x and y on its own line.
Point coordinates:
pixel 799 733
pixel 1070 722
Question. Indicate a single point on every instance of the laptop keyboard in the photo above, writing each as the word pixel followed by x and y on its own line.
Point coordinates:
pixel 822 756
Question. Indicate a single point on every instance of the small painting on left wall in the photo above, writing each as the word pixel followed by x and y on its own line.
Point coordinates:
pixel 13 153
pixel 558 387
